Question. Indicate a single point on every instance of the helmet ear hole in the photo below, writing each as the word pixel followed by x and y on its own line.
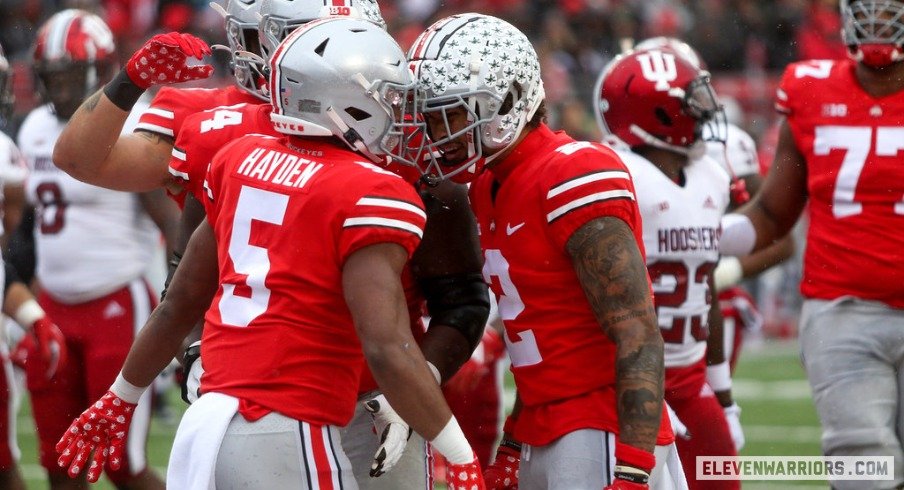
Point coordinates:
pixel 322 47
pixel 663 116
pixel 357 114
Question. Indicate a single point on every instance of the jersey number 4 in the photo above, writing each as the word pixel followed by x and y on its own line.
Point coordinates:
pixel 857 141
pixel 250 261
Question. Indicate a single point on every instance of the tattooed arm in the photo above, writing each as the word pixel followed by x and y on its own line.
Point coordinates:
pixel 92 150
pixel 613 275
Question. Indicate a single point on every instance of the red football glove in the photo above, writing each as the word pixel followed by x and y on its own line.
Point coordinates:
pixel 51 344
pixel 465 476
pixel 619 484
pixel 502 474
pixel 101 428
pixel 161 60
pixel 19 354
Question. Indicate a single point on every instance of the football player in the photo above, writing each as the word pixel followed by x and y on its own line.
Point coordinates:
pixel 839 155
pixel 738 156
pixel 92 248
pixel 560 233
pixel 657 104
pixel 18 302
pixel 307 241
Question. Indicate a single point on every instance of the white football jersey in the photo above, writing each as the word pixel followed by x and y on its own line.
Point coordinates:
pixel 681 237
pixel 739 151
pixel 89 241
pixel 12 167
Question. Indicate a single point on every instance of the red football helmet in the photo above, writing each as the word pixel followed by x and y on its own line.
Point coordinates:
pixel 656 97
pixel 674 44
pixel 873 31
pixel 74 55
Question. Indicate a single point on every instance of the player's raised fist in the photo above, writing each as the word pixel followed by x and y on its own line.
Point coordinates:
pixel 162 60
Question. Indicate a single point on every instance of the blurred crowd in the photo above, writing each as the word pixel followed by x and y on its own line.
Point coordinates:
pixel 745 43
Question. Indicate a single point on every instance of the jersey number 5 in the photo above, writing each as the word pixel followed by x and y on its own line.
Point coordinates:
pixel 249 260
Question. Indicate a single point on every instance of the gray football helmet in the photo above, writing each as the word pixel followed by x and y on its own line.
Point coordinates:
pixel 486 66
pixel 281 17
pixel 347 78
pixel 242 18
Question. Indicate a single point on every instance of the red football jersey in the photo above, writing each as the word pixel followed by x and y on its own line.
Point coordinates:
pixel 852 143
pixel 204 133
pixel 563 363
pixel 287 214
pixel 172 105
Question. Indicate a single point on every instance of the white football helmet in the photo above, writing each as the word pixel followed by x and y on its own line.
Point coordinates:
pixel 280 17
pixel 873 31
pixel 347 78
pixel 486 66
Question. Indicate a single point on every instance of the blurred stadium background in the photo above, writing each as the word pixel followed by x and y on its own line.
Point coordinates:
pixel 745 44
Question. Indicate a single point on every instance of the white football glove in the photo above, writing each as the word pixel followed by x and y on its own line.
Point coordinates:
pixel 733 417
pixel 678 426
pixel 193 381
pixel 393 433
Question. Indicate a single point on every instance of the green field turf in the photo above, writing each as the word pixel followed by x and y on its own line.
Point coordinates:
pixel 770 386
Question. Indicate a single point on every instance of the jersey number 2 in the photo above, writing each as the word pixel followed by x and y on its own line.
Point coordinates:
pixel 250 260
pixel 524 351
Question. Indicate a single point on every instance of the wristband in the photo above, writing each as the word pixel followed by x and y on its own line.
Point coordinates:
pixel 738 235
pixel 452 444
pixel 122 91
pixel 631 474
pixel 719 376
pixel 127 391
pixel 728 273
pixel 510 443
pixel 28 313
pixel 632 456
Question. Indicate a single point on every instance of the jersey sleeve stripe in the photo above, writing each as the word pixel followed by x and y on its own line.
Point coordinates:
pixel 590 199
pixel 391 203
pixel 179 154
pixel 160 113
pixel 176 173
pixel 154 128
pixel 587 179
pixel 384 223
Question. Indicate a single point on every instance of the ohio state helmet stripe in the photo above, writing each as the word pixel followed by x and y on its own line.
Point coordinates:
pixel 590 199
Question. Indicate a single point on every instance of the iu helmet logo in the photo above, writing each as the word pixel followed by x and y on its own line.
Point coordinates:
pixel 659 68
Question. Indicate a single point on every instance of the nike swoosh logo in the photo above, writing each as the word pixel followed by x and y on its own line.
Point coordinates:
pixel 509 229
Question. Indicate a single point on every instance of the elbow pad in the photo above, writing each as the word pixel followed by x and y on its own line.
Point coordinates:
pixel 460 301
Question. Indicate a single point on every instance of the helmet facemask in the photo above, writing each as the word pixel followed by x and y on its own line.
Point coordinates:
pixel 873 30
